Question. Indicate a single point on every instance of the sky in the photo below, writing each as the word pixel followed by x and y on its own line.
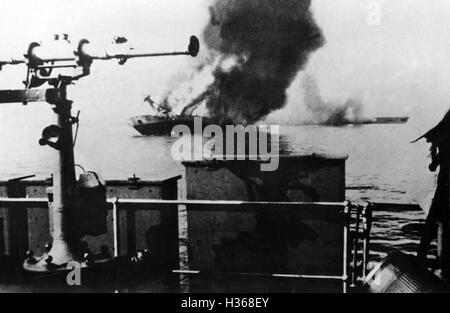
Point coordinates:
pixel 394 67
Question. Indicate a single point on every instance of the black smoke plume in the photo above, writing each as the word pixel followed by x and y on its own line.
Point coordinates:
pixel 267 43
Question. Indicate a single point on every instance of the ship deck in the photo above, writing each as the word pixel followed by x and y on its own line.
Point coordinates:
pixel 182 266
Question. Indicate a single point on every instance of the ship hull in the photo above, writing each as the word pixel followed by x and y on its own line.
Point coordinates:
pixel 387 120
pixel 151 125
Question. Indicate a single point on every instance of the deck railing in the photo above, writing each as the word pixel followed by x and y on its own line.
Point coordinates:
pixel 352 239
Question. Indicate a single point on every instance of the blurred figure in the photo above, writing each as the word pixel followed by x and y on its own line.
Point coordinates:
pixel 439 138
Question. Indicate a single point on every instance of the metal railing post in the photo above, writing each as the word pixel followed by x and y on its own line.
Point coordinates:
pixel 116 227
pixel 2 237
pixel 346 250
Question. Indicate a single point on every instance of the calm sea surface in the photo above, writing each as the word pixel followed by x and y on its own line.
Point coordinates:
pixel 380 167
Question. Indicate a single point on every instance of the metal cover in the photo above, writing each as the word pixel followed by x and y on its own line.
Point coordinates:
pixel 29 95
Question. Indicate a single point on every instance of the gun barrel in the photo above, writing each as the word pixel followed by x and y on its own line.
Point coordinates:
pixel 98 57
pixel 138 55
pixel 11 62
pixel 34 58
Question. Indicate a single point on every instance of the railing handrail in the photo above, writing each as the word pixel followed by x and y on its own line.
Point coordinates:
pixel 224 202
pixel 34 202
pixel 40 201
pixel 340 212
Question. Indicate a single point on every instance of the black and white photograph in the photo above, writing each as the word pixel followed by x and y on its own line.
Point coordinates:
pixel 224 152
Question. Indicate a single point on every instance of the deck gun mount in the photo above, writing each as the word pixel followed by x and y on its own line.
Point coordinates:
pixel 65 200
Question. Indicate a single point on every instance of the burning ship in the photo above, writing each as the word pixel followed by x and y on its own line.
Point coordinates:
pixel 162 121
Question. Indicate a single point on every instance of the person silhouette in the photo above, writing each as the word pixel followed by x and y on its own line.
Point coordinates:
pixel 439 213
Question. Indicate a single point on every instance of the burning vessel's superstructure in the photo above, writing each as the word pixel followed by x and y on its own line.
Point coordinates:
pixel 163 120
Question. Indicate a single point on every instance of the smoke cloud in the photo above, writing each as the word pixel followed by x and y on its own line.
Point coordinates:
pixel 328 112
pixel 255 50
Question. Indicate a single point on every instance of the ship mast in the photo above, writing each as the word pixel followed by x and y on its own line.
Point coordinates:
pixel 157 108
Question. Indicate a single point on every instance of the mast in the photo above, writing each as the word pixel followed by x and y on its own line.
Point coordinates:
pixel 149 100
